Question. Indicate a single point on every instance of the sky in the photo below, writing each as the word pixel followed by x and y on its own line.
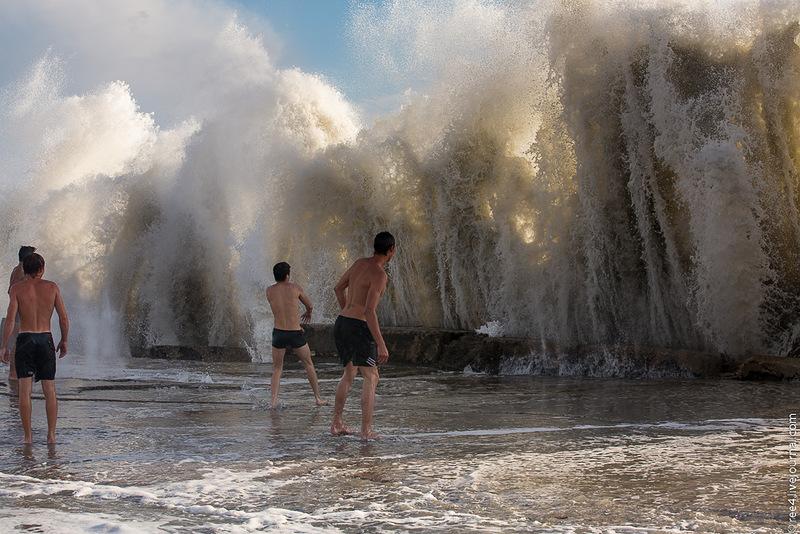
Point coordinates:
pixel 316 36
pixel 312 35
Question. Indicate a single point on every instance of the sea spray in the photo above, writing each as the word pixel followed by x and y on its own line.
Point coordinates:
pixel 579 172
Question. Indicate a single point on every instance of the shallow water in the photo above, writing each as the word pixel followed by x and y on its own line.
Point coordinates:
pixel 186 447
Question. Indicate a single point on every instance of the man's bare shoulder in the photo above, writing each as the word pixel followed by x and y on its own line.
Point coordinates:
pixel 377 273
pixel 49 284
pixel 359 262
pixel 381 275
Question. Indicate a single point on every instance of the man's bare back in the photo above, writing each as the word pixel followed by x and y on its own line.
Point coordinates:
pixel 283 298
pixel 364 274
pixel 36 299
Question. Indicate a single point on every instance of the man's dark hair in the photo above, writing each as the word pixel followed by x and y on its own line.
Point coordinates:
pixel 33 264
pixel 281 271
pixel 25 251
pixel 383 242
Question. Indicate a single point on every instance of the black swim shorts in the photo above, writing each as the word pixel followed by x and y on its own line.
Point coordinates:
pixel 282 339
pixel 35 356
pixel 354 342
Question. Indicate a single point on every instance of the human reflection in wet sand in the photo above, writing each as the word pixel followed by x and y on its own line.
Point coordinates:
pixel 37 468
pixel 26 451
pixel 367 448
pixel 314 419
pixel 275 418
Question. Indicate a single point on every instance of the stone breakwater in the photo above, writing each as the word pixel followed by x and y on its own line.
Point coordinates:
pixel 466 351
pixel 204 354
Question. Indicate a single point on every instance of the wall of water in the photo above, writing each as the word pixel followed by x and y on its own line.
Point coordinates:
pixel 577 171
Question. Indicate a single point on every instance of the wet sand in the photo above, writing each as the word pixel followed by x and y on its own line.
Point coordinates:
pixel 185 447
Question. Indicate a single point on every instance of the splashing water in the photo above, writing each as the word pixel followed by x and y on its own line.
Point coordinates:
pixel 581 172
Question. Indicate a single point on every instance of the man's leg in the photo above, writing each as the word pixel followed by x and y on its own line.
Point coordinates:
pixel 13 382
pixel 25 386
pixel 277 369
pixel 304 353
pixel 13 385
pixel 338 427
pixel 12 369
pixel 371 378
pixel 51 404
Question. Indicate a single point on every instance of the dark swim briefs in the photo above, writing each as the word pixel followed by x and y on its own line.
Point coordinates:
pixel 354 342
pixel 35 356
pixel 282 339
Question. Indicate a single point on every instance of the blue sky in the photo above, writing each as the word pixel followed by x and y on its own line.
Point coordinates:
pixel 314 32
pixel 315 38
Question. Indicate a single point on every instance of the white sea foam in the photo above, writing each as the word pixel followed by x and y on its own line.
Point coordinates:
pixel 705 426
pixel 58 522
pixel 183 497
pixel 492 329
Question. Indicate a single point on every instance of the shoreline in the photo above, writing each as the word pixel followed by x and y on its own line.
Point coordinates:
pixel 469 352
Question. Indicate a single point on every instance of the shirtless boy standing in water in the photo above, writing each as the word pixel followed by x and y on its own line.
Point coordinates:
pixel 357 334
pixel 35 299
pixel 17 275
pixel 282 297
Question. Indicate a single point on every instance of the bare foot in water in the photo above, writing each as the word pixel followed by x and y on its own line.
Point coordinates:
pixel 370 436
pixel 321 402
pixel 28 440
pixel 340 430
pixel 51 439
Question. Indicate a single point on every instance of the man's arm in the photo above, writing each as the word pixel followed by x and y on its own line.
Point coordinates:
pixel 376 288
pixel 341 288
pixel 63 323
pixel 306 317
pixel 11 316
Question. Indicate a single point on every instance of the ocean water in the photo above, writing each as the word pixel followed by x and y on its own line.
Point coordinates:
pixel 159 446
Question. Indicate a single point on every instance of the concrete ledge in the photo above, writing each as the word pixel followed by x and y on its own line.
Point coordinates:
pixel 460 350
pixel 770 368
pixel 205 354
pixel 409 345
pixel 621 361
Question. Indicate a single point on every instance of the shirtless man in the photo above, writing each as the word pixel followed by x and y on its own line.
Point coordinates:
pixel 34 299
pixel 357 334
pixel 282 297
pixel 17 275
